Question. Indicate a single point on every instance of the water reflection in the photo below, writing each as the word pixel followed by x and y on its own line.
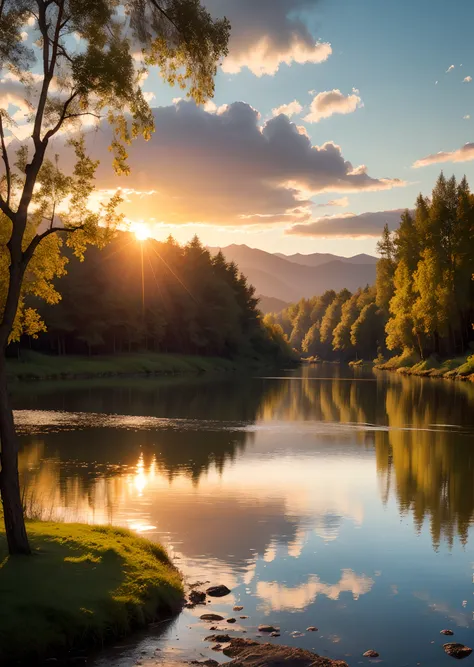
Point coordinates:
pixel 318 498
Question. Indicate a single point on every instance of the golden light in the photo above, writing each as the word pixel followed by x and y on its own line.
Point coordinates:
pixel 141 231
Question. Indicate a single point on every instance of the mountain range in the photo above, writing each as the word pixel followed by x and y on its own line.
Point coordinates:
pixel 281 279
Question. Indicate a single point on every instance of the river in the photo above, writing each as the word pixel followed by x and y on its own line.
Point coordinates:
pixel 326 496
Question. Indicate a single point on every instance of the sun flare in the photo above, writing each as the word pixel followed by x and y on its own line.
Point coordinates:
pixel 142 232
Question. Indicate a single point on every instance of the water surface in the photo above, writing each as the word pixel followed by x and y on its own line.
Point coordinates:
pixel 322 497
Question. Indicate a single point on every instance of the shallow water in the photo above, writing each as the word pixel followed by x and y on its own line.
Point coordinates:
pixel 322 497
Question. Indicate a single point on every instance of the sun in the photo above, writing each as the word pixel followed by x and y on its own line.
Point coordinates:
pixel 141 231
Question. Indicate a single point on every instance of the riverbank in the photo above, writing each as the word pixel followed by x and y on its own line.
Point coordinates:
pixel 409 363
pixel 84 586
pixel 36 366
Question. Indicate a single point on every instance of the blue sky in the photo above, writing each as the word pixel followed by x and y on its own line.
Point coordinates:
pixel 393 53
pixel 234 173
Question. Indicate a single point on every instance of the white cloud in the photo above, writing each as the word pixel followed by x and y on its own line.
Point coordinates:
pixel 467 79
pixel 268 33
pixel 466 117
pixel 291 109
pixel 332 102
pixel 228 169
pixel 450 69
pixel 464 154
pixel 342 202
pixel 348 225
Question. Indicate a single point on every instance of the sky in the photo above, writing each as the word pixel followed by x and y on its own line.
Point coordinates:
pixel 329 117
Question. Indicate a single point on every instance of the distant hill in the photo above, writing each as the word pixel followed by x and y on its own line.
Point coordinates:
pixel 269 304
pixel 289 278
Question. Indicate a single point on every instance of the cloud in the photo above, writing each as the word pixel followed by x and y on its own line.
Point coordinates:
pixel 349 225
pixel 342 202
pixel 268 33
pixel 464 154
pixel 332 102
pixel 450 69
pixel 467 79
pixel 291 109
pixel 227 169
pixel 466 117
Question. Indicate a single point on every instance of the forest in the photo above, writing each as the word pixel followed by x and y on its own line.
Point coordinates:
pixel 423 299
pixel 146 295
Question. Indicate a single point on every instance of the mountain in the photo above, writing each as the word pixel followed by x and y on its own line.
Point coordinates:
pixel 270 304
pixel 317 259
pixel 289 278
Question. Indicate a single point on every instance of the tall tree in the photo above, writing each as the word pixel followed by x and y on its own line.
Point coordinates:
pixel 97 77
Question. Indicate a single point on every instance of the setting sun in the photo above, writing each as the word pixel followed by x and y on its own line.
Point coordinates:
pixel 141 231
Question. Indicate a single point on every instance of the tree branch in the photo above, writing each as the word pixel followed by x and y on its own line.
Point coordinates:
pixel 34 243
pixel 165 14
pixel 6 209
pixel 62 117
pixel 6 161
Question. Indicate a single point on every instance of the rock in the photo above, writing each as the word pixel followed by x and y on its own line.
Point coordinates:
pixel 213 627
pixel 295 633
pixel 237 607
pixel 311 628
pixel 220 639
pixel 456 650
pixel 207 663
pixel 370 654
pixel 231 620
pixel 267 628
pixel 274 634
pixel 249 653
pixel 446 632
pixel 243 617
pixel 211 617
pixel 197 597
pixel 216 647
pixel 218 591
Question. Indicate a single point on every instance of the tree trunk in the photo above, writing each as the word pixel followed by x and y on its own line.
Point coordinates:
pixel 9 480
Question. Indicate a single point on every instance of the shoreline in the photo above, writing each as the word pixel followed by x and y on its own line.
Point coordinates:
pixel 459 369
pixel 82 588
pixel 36 367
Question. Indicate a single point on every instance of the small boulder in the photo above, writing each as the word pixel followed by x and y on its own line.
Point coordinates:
pixel 237 607
pixel 311 628
pixel 211 617
pixel 243 617
pixel 220 639
pixel 446 632
pixel 249 653
pixel 218 591
pixel 231 620
pixel 197 597
pixel 206 663
pixel 274 634
pixel 216 647
pixel 370 654
pixel 456 650
pixel 267 628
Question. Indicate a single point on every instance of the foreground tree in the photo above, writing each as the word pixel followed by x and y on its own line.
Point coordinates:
pixel 86 51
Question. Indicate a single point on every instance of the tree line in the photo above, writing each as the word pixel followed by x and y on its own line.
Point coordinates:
pixel 161 297
pixel 423 299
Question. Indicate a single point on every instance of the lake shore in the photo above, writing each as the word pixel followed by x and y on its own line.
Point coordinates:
pixel 34 366
pixel 459 368
pixel 84 586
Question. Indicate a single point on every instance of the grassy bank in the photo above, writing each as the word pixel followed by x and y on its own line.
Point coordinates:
pixel 84 586
pixel 36 366
pixel 409 363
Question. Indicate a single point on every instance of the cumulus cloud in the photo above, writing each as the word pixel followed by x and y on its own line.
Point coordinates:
pixel 342 202
pixel 349 225
pixel 268 33
pixel 227 169
pixel 466 117
pixel 331 102
pixel 464 154
pixel 467 79
pixel 291 109
pixel 450 68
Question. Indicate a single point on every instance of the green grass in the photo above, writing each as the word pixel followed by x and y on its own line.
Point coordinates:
pixel 84 585
pixel 409 363
pixel 36 366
